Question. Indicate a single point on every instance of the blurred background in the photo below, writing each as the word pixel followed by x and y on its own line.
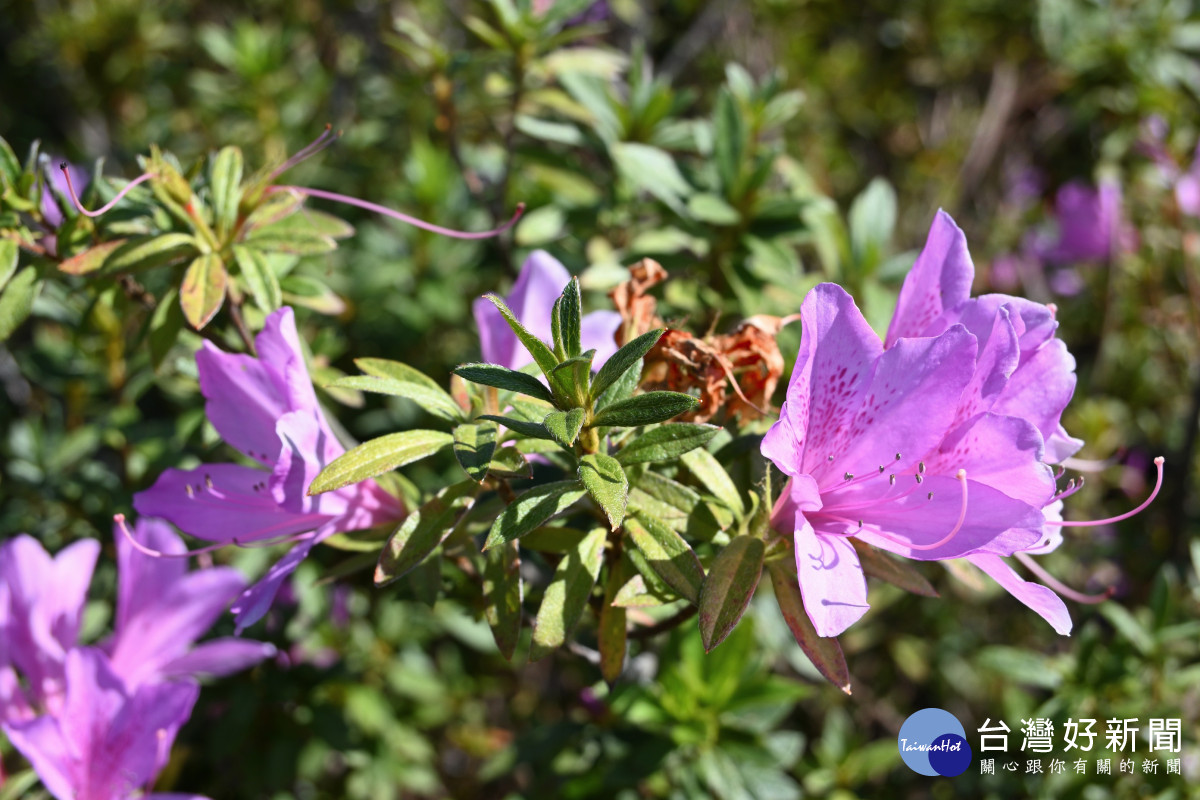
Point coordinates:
pixel 754 148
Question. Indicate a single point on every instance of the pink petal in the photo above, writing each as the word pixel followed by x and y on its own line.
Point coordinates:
pixel 831 579
pixel 939 280
pixel 998 451
pixel 907 407
pixel 141 579
pixel 307 446
pixel 531 300
pixel 231 509
pixel 162 632
pixel 1045 602
pixel 255 601
pixel 219 657
pixel 835 364
pixel 279 349
pixel 42 744
pixel 999 355
pixel 1040 388
pixel 245 397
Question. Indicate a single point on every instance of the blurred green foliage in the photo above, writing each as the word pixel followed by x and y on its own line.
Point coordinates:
pixel 752 148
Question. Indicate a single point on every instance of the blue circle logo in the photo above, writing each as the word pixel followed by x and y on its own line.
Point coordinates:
pixel 933 742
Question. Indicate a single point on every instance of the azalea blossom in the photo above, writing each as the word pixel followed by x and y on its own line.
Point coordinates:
pixel 538 285
pixel 162 609
pixel 266 408
pixel 932 444
pixel 1089 224
pixel 109 740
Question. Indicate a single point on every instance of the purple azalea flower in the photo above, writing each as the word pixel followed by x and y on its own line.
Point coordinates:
pixel 41 605
pixel 56 187
pixel 540 283
pixel 109 740
pixel 162 609
pixel 932 444
pixel 1089 223
pixel 266 408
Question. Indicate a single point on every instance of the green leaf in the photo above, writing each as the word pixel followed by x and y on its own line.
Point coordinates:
pixel 8 261
pixel 306 291
pixel 564 426
pixel 378 456
pixel 165 325
pixel 383 368
pixel 729 141
pixel 225 180
pixel 534 430
pixel 567 594
pixel 425 579
pixel 531 509
pixel 504 378
pixel 147 252
pixel 671 558
pixel 712 209
pixel 86 262
pixel 296 242
pixel 706 469
pixel 10 168
pixel 731 581
pixel 508 462
pixel 605 481
pixel 435 401
pixel 570 378
pixel 635 593
pixel 570 315
pixel 502 594
pixel 422 531
pixel 16 301
pixel 543 356
pixel 666 442
pixel 622 361
pixel 611 636
pixel 824 652
pixel 552 539
pixel 474 446
pixel 645 409
pixel 652 170
pixel 622 389
pixel 303 221
pixel 560 349
pixel 203 289
pixel 872 220
pixel 679 506
pixel 877 564
pixel 18 784
pixel 259 277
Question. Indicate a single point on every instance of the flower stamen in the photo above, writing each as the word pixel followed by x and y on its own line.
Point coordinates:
pixel 119 519
pixel 1061 588
pixel 1158 462
pixel 145 176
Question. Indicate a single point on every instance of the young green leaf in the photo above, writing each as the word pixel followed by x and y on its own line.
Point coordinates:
pixel 570 378
pixel 706 469
pixel 564 426
pixel 383 368
pixel 645 409
pixel 259 277
pixel 624 360
pixel 531 509
pixel 504 378
pixel 534 430
pixel 16 301
pixel 666 442
pixel 611 633
pixel 543 356
pixel 422 531
pixel 225 181
pixel 502 594
pixel 435 401
pixel 567 594
pixel 560 349
pixel 570 318
pixel 474 445
pixel 731 581
pixel 377 456
pixel 605 481
pixel 825 653
pixel 671 558
pixel 203 289
pixel 623 389
pixel 508 462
